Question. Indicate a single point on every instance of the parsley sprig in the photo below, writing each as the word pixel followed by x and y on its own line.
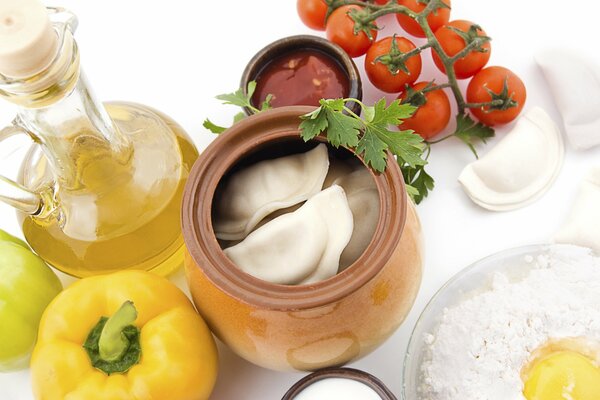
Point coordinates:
pixel 370 137
pixel 240 99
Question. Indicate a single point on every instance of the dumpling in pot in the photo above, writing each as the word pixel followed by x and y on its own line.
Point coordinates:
pixel 255 192
pixel 337 169
pixel 583 225
pixel 363 199
pixel 300 247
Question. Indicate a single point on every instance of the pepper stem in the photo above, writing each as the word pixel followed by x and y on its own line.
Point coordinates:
pixel 113 343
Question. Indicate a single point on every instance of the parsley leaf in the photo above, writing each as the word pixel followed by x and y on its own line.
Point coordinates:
pixel 341 129
pixel 238 98
pixel 418 182
pixel 208 124
pixel 471 132
pixel 373 149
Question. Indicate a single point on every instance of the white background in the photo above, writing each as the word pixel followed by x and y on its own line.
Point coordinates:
pixel 177 55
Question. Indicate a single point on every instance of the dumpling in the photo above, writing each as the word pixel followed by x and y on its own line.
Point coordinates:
pixel 363 199
pixel 300 247
pixel 337 169
pixel 583 224
pixel 575 85
pixel 520 168
pixel 255 192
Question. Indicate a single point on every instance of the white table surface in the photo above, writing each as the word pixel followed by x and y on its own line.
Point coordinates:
pixel 177 55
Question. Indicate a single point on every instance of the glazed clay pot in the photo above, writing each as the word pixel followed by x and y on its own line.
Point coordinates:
pixel 305 327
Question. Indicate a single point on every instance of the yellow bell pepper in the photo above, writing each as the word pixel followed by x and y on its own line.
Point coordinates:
pixel 130 335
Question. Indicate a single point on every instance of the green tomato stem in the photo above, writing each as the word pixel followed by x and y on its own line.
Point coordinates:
pixel 491 103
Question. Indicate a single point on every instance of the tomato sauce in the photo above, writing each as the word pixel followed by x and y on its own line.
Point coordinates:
pixel 301 78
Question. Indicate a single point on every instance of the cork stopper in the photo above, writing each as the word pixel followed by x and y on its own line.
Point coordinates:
pixel 28 43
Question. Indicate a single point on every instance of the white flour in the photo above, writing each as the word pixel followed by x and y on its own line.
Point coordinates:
pixel 483 342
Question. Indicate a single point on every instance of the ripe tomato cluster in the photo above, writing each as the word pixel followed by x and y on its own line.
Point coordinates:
pixel 495 95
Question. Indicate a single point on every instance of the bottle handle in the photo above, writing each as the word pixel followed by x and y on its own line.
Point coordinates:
pixel 11 192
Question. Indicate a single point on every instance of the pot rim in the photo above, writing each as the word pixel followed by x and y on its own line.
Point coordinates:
pixel 223 153
pixel 303 42
pixel 345 373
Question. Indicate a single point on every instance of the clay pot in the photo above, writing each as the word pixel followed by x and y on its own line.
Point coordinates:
pixel 305 327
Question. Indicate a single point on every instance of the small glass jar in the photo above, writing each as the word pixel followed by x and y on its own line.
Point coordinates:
pixel 304 327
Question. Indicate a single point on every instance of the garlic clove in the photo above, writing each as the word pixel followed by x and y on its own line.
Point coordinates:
pixel 582 225
pixel 575 84
pixel 520 168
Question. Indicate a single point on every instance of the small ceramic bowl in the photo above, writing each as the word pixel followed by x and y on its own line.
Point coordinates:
pixel 302 327
pixel 305 42
pixel 343 373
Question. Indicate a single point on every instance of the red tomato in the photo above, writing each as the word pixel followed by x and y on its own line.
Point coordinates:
pixel 493 79
pixel 380 75
pixel 432 117
pixel 452 43
pixel 312 13
pixel 381 2
pixel 340 30
pixel 437 18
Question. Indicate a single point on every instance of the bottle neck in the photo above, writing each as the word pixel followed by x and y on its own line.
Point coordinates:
pixel 74 125
pixel 60 112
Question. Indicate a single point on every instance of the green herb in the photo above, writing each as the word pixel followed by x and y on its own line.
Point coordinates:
pixel 372 138
pixel 471 132
pixel 240 99
pixel 418 182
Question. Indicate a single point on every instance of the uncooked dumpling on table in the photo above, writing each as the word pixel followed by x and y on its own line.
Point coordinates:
pixel 520 168
pixel 575 84
pixel 260 189
pixel 582 227
pixel 300 247
pixel 363 199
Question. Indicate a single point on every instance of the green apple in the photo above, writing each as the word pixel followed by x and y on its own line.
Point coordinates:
pixel 27 285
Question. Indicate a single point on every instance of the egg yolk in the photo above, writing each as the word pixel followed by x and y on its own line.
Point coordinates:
pixel 563 375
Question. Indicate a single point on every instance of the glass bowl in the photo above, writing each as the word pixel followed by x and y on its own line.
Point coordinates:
pixel 514 263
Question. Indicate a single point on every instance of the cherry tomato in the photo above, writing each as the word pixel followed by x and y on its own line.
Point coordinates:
pixel 437 18
pixel 430 118
pixel 493 79
pixel 452 43
pixel 340 30
pixel 381 2
pixel 312 13
pixel 378 72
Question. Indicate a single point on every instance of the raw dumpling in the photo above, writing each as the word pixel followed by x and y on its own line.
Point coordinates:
pixel 583 225
pixel 300 247
pixel 337 169
pixel 363 199
pixel 267 186
pixel 575 85
pixel 520 168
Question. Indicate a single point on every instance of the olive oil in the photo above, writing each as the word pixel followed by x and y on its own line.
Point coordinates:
pixel 115 210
